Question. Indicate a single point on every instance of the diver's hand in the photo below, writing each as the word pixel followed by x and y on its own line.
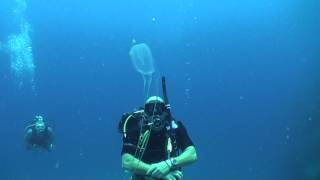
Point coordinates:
pixel 159 170
pixel 177 174
pixel 169 176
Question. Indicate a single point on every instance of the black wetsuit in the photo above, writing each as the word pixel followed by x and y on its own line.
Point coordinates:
pixel 156 150
pixel 42 140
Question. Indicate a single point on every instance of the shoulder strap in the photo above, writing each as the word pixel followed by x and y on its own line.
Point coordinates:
pixel 124 126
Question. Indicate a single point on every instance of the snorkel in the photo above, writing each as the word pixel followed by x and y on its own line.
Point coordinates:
pixel 165 96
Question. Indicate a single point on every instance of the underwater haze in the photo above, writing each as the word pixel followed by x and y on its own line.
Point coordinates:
pixel 243 76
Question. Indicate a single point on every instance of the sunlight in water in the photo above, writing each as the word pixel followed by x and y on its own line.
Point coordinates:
pixel 19 47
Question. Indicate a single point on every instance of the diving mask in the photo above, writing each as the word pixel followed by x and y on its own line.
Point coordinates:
pixel 154 108
pixel 156 115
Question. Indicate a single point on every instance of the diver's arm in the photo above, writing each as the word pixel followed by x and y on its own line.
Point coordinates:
pixel 188 156
pixel 27 138
pixel 50 131
pixel 28 134
pixel 50 140
pixel 134 165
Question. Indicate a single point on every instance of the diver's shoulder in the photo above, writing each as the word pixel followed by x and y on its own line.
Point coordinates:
pixel 50 130
pixel 130 119
pixel 29 130
pixel 180 124
pixel 133 114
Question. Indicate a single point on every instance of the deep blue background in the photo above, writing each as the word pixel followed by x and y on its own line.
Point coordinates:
pixel 242 75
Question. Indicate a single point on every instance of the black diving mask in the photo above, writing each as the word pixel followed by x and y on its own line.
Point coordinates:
pixel 156 115
pixel 152 109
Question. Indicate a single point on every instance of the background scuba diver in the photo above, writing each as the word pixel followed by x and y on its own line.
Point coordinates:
pixel 155 146
pixel 39 135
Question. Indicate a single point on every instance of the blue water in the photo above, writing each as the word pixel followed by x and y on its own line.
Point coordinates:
pixel 243 76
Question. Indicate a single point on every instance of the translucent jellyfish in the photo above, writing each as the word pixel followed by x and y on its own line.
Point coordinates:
pixel 143 62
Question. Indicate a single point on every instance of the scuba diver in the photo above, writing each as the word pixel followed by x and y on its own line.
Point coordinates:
pixel 39 135
pixel 155 145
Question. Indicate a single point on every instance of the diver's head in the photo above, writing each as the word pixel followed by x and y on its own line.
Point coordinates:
pixel 39 124
pixel 154 106
pixel 155 110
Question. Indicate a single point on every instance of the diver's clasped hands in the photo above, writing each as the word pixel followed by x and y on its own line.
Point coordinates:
pixel 174 175
pixel 159 170
pixel 162 170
